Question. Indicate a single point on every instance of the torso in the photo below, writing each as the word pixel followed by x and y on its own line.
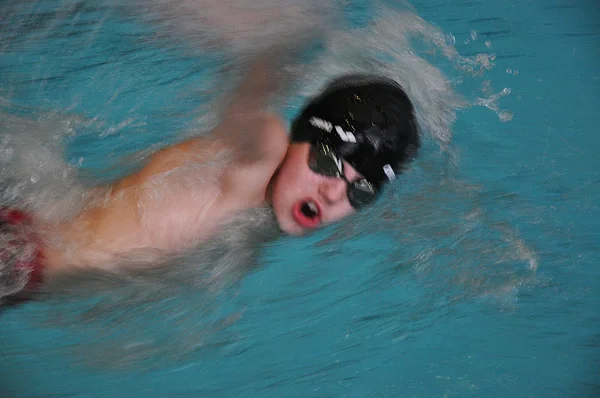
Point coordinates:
pixel 175 202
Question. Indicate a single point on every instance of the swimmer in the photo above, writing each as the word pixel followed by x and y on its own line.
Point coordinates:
pixel 343 148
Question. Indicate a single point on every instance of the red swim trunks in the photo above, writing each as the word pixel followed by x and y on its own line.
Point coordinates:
pixel 21 258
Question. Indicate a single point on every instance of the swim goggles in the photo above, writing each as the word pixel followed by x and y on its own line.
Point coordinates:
pixel 324 161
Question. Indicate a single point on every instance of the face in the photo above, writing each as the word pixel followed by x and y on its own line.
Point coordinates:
pixel 304 200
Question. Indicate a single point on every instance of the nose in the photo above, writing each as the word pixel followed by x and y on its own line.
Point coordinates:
pixel 333 190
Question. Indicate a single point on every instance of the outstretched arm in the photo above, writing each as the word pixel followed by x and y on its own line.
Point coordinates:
pixel 268 74
pixel 247 111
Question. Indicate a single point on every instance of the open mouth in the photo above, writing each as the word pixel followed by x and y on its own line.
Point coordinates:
pixel 307 213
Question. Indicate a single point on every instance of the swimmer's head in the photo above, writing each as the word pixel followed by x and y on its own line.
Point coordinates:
pixel 368 120
pixel 347 144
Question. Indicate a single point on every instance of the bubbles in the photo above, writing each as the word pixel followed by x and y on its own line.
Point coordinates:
pixel 116 129
pixel 505 116
pixel 473 37
pixel 491 102
pixel 32 167
pixel 451 39
pixel 7 154
pixel 476 67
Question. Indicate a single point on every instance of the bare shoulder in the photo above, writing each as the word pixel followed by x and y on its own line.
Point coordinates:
pixel 271 138
pixel 261 148
pixel 259 136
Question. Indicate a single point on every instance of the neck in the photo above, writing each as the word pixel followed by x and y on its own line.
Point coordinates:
pixel 269 194
pixel 269 190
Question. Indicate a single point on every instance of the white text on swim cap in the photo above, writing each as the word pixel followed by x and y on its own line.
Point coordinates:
pixel 321 124
pixel 389 172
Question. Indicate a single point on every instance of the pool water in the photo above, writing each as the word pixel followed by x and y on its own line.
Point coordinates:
pixel 480 279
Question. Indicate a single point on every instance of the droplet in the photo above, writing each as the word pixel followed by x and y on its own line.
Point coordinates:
pixel 505 116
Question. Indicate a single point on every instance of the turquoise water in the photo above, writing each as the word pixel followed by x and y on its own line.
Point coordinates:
pixel 484 283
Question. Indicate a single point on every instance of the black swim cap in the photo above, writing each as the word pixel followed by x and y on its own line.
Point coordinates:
pixel 368 120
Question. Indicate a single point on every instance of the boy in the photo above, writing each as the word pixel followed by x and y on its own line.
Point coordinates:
pixel 346 144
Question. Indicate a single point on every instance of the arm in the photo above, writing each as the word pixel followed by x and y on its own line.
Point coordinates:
pixel 252 95
pixel 247 124
pixel 267 75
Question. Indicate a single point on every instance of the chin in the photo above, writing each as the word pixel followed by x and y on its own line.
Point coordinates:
pixel 291 229
pixel 288 226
